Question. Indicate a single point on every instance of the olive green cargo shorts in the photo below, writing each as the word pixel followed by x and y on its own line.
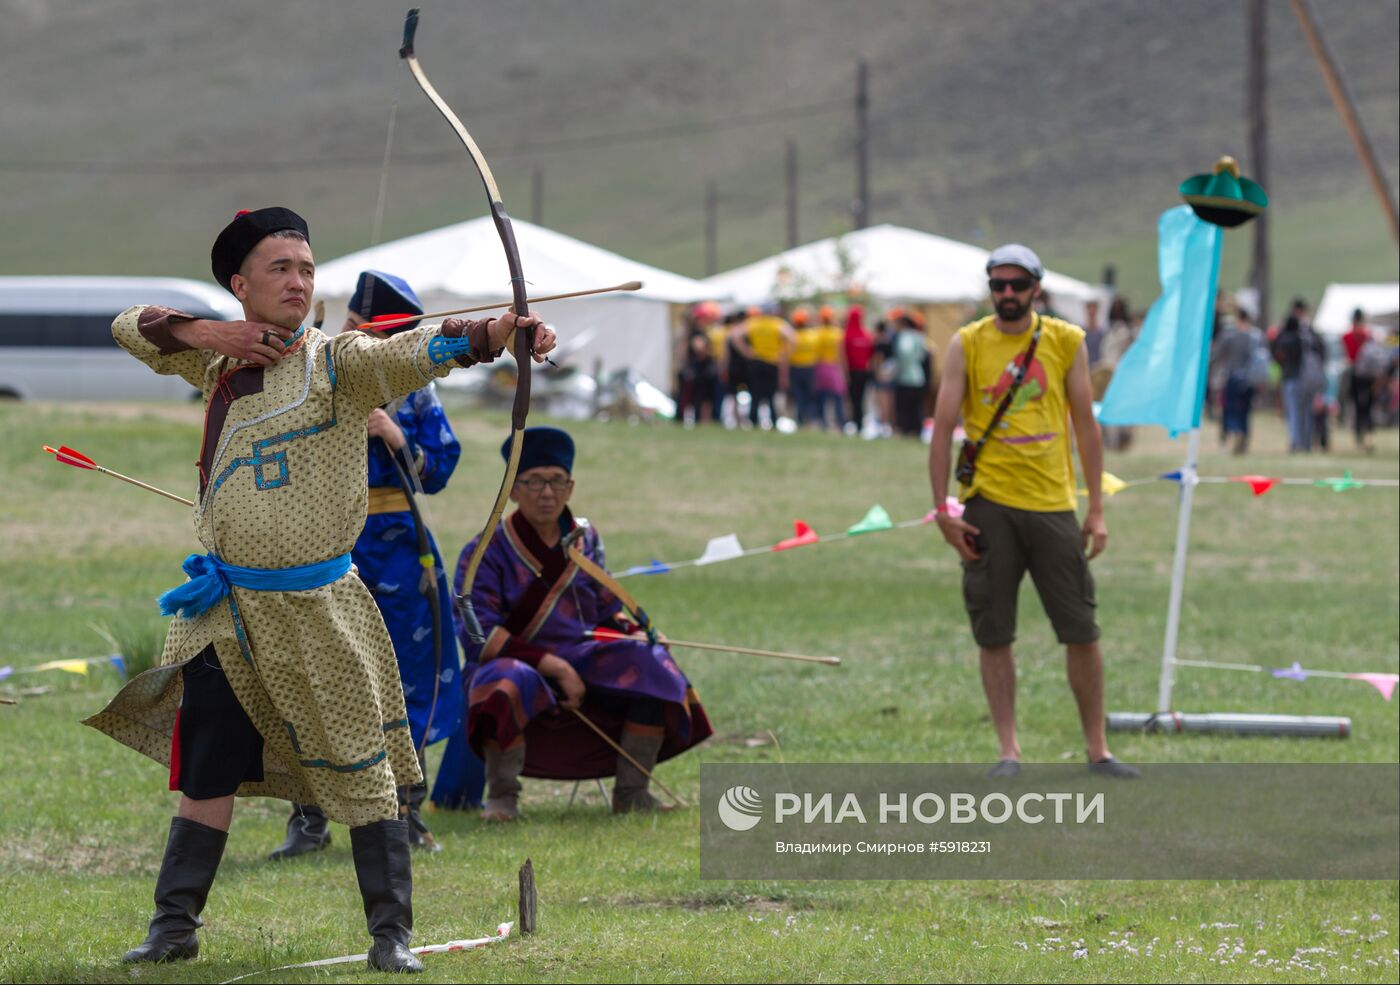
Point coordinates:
pixel 1011 542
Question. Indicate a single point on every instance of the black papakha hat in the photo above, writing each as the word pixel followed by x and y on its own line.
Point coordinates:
pixel 543 446
pixel 245 232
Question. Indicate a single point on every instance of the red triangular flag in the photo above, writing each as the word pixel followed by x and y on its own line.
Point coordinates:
pixel 802 534
pixel 1259 483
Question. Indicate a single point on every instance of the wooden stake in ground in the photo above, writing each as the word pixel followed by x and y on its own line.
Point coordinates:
pixel 529 902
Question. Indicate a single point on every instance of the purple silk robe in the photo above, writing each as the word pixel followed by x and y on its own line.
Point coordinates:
pixel 531 601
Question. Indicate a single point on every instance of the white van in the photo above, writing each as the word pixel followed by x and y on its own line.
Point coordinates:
pixel 56 335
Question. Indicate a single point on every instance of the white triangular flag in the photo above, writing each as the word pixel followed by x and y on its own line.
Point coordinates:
pixel 721 549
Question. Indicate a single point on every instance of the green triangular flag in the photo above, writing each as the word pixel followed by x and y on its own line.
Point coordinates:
pixel 1343 484
pixel 875 519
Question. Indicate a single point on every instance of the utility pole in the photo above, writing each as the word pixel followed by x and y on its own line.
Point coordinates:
pixel 791 194
pixel 1258 101
pixel 1346 107
pixel 537 197
pixel 860 208
pixel 711 229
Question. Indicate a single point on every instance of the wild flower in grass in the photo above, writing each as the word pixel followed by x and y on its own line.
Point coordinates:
pixel 1082 952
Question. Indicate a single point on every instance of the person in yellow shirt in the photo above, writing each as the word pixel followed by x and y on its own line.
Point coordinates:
pixel 765 341
pixel 802 368
pixel 830 381
pixel 1020 381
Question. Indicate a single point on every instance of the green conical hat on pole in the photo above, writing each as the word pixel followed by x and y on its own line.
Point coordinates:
pixel 1224 197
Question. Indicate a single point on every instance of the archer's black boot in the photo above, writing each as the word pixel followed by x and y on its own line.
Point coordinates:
pixel 385 873
pixel 308 830
pixel 192 856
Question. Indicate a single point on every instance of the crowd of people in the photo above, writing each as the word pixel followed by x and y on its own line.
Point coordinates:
pixel 755 367
pixel 1291 367
pixel 821 368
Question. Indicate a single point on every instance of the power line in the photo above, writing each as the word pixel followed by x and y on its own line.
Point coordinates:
pixel 348 163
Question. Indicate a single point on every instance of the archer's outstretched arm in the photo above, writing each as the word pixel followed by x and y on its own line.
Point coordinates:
pixel 374 371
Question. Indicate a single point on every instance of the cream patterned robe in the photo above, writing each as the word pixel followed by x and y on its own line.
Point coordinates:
pixel 283 483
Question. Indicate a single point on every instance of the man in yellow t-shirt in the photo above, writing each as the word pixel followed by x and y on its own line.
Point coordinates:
pixel 1020 499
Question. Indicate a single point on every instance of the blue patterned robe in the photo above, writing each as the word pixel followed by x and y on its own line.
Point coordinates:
pixel 386 554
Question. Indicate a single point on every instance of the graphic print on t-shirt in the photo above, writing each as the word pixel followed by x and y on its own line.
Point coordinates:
pixel 1033 387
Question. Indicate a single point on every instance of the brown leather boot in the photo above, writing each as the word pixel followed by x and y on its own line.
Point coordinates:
pixel 503 768
pixel 630 786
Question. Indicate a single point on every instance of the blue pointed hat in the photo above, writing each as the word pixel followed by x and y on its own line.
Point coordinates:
pixel 378 294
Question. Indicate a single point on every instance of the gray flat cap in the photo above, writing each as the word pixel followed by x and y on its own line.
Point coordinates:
pixel 1016 255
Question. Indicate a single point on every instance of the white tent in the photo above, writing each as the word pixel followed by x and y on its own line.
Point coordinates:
pixel 463 264
pixel 1381 302
pixel 891 263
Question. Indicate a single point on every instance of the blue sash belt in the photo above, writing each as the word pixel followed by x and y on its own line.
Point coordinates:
pixel 211 579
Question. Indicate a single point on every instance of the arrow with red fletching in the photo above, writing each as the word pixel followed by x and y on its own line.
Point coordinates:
pixel 381 322
pixel 68 456
pixel 609 634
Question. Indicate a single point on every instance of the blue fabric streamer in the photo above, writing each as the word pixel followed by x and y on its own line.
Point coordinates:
pixel 211 579
pixel 1161 379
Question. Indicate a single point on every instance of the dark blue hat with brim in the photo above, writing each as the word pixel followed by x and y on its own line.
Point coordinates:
pixel 544 446
pixel 381 295
pixel 241 236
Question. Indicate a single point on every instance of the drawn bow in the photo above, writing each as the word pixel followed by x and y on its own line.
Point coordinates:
pixel 522 351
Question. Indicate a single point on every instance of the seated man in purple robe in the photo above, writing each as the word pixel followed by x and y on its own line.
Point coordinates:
pixel 537 609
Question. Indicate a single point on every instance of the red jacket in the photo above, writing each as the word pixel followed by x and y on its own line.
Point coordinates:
pixel 859 344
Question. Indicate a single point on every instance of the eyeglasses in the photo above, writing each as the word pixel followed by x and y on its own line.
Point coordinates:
pixel 1017 284
pixel 536 485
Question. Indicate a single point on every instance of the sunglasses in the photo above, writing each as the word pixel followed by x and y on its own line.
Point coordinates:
pixel 1017 284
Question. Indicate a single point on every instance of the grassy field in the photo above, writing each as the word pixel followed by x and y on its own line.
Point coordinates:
pixel 1301 574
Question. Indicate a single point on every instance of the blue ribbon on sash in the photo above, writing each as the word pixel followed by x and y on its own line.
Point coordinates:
pixel 211 579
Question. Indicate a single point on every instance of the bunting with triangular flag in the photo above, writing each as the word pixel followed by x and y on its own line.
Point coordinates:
pixel 721 549
pixel 1341 483
pixel 1260 484
pixel 1384 683
pixel 802 535
pixel 654 568
pixel 876 518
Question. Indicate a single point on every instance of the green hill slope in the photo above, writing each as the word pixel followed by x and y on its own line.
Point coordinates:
pixel 133 128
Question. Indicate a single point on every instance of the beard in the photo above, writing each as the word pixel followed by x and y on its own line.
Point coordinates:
pixel 1011 309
